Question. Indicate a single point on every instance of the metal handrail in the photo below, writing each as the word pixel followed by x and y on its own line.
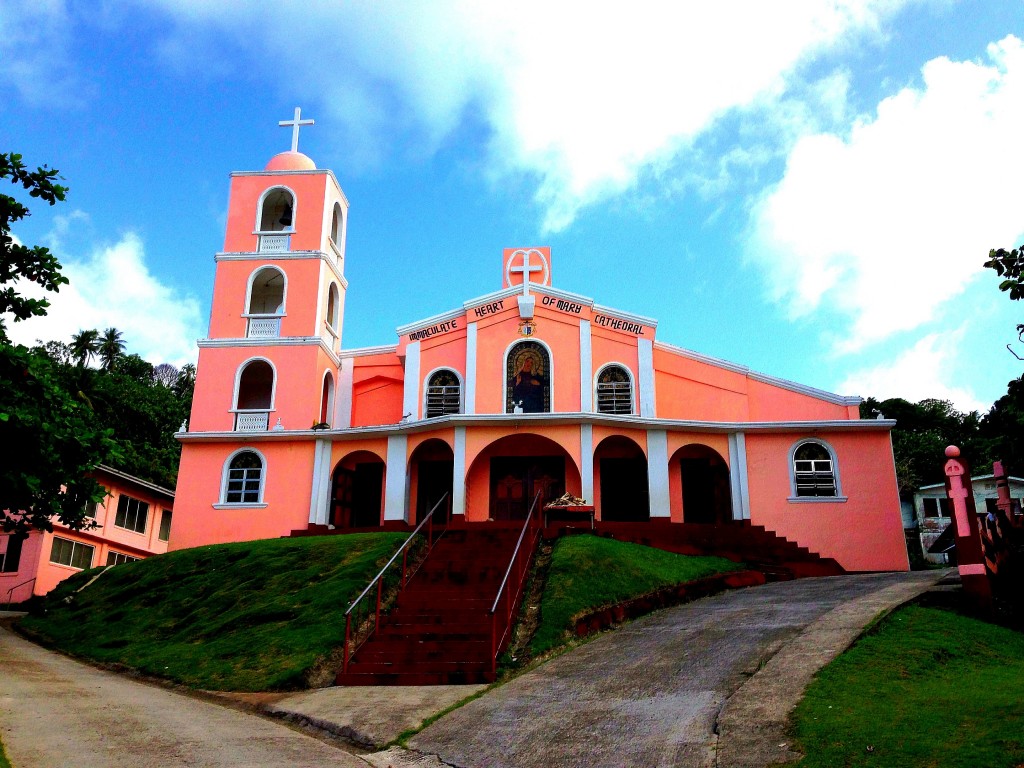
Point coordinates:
pixel 10 592
pixel 403 550
pixel 496 642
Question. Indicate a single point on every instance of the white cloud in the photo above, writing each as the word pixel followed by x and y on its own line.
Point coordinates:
pixel 34 43
pixel 918 373
pixel 113 287
pixel 890 222
pixel 583 98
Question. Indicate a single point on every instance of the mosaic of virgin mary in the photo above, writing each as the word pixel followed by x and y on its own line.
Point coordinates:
pixel 527 385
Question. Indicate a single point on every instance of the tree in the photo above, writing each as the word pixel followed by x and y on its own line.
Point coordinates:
pixel 84 345
pixel 51 438
pixel 111 346
pixel 165 375
pixel 20 262
pixel 1010 266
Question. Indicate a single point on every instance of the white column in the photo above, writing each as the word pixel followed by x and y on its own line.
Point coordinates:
pixel 587 462
pixel 738 476
pixel 471 368
pixel 395 482
pixel 459 473
pixel 411 400
pixel 343 398
pixel 586 371
pixel 645 348
pixel 657 473
pixel 321 489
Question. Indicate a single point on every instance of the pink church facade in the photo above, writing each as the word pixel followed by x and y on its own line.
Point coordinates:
pixel 530 388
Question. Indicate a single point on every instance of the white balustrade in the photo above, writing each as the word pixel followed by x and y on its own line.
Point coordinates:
pixel 264 327
pixel 275 243
pixel 252 422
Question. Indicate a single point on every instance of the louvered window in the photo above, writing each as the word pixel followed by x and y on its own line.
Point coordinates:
pixel 443 394
pixel 614 391
pixel 813 472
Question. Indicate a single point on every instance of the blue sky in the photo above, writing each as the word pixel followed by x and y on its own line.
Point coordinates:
pixel 806 188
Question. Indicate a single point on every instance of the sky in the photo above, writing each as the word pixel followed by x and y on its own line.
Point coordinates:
pixel 806 188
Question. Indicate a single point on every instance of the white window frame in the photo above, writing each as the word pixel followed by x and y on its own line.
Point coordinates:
pixel 223 503
pixel 238 380
pixel 462 389
pixel 632 388
pixel 259 211
pixel 333 326
pixel 117 511
pixel 120 558
pixel 838 497
pixel 248 293
pixel 169 514
pixel 74 545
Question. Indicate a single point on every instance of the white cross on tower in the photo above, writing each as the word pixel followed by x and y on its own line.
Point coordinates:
pixel 525 270
pixel 295 122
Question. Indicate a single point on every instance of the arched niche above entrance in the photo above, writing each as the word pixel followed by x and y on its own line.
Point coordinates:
pixel 506 475
pixel 528 378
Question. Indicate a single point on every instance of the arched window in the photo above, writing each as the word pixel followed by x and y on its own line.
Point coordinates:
pixel 444 393
pixel 243 480
pixel 814 470
pixel 337 226
pixel 614 390
pixel 333 308
pixel 528 378
pixel 265 304
pixel 277 211
pixel 327 399
pixel 254 397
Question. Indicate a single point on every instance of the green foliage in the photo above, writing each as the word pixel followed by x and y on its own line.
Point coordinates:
pixel 590 572
pixel 927 688
pixel 1003 427
pixel 54 440
pixel 922 432
pixel 4 762
pixel 1010 266
pixel 21 262
pixel 247 617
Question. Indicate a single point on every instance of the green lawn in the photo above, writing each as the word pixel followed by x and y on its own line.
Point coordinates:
pixel 4 762
pixel 247 617
pixel 927 688
pixel 591 572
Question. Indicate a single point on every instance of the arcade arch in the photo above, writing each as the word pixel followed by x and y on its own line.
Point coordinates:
pixel 620 480
pixel 357 491
pixel 703 482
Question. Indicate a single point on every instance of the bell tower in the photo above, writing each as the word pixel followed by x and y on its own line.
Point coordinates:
pixel 270 362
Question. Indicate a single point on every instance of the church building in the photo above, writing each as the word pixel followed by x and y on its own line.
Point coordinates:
pixel 529 388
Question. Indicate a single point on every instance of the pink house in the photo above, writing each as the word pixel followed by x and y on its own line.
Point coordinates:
pixel 132 523
pixel 529 388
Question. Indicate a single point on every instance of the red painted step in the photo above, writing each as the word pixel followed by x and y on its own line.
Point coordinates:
pixel 439 631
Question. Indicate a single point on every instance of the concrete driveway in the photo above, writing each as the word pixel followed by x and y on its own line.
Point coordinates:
pixel 57 713
pixel 651 693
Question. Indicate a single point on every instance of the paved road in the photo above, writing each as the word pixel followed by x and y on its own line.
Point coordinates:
pixel 650 694
pixel 57 713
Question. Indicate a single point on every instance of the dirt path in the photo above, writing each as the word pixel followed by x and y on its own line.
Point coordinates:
pixel 55 712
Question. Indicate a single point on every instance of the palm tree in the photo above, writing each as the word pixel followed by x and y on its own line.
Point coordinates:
pixel 111 347
pixel 84 345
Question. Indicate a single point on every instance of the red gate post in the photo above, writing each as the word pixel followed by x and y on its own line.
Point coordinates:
pixel 969 555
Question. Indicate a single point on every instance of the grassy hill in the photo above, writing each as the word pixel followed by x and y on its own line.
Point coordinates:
pixel 251 616
pixel 265 615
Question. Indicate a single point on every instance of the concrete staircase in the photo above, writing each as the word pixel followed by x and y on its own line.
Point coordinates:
pixel 439 631
pixel 777 557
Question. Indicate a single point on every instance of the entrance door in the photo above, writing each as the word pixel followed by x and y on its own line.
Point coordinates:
pixel 434 481
pixel 624 494
pixel 356 496
pixel 515 480
pixel 706 497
